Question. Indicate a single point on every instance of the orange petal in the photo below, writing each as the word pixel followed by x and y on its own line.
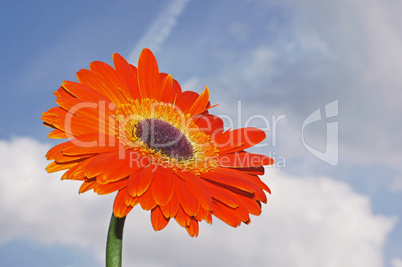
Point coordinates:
pixel 61 92
pixel 182 218
pixel 87 185
pixel 120 209
pixel 170 209
pixel 112 76
pixel 186 198
pixel 60 158
pixel 240 139
pixel 244 159
pixel 97 164
pixel 51 114
pixel 51 154
pixel 55 111
pixel 252 170
pixel 162 186
pixel 76 172
pixel 103 189
pixel 54 167
pixel 225 214
pixel 185 100
pixel 140 181
pixel 102 85
pixel 204 214
pixel 118 168
pixel 240 213
pixel 84 92
pixel 147 200
pixel 255 179
pixel 201 103
pixel 210 124
pixel 231 216
pixel 253 206
pixel 176 91
pixel 131 201
pixel 129 75
pixel 166 89
pixel 233 181
pixel 69 175
pixel 88 144
pixel 162 76
pixel 192 229
pixel 197 188
pixel 148 75
pixel 57 134
pixel 158 220
pixel 75 126
pixel 80 107
pixel 223 195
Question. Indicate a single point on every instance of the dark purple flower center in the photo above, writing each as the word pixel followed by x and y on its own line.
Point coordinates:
pixel 164 137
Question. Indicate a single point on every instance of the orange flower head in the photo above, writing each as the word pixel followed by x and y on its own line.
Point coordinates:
pixel 133 130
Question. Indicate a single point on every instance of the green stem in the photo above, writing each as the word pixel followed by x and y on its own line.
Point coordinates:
pixel 114 242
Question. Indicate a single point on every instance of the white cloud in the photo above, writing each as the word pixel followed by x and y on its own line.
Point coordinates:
pixel 308 221
pixel 39 206
pixel 395 262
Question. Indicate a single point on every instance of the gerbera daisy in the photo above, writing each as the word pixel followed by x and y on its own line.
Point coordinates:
pixel 133 130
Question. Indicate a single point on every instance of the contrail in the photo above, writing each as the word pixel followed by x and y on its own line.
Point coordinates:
pixel 160 30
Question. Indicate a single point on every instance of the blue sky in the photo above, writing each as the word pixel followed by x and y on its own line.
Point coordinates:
pixel 264 62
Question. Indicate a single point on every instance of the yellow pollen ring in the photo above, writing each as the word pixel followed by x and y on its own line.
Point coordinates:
pixel 129 115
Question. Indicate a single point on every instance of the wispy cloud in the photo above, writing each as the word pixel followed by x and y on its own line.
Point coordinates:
pixel 160 30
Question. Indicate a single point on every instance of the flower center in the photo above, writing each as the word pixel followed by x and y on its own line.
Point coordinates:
pixel 164 137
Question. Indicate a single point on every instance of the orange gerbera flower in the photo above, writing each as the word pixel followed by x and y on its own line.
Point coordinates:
pixel 134 131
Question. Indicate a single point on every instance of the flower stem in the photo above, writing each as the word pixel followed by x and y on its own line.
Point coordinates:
pixel 114 242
